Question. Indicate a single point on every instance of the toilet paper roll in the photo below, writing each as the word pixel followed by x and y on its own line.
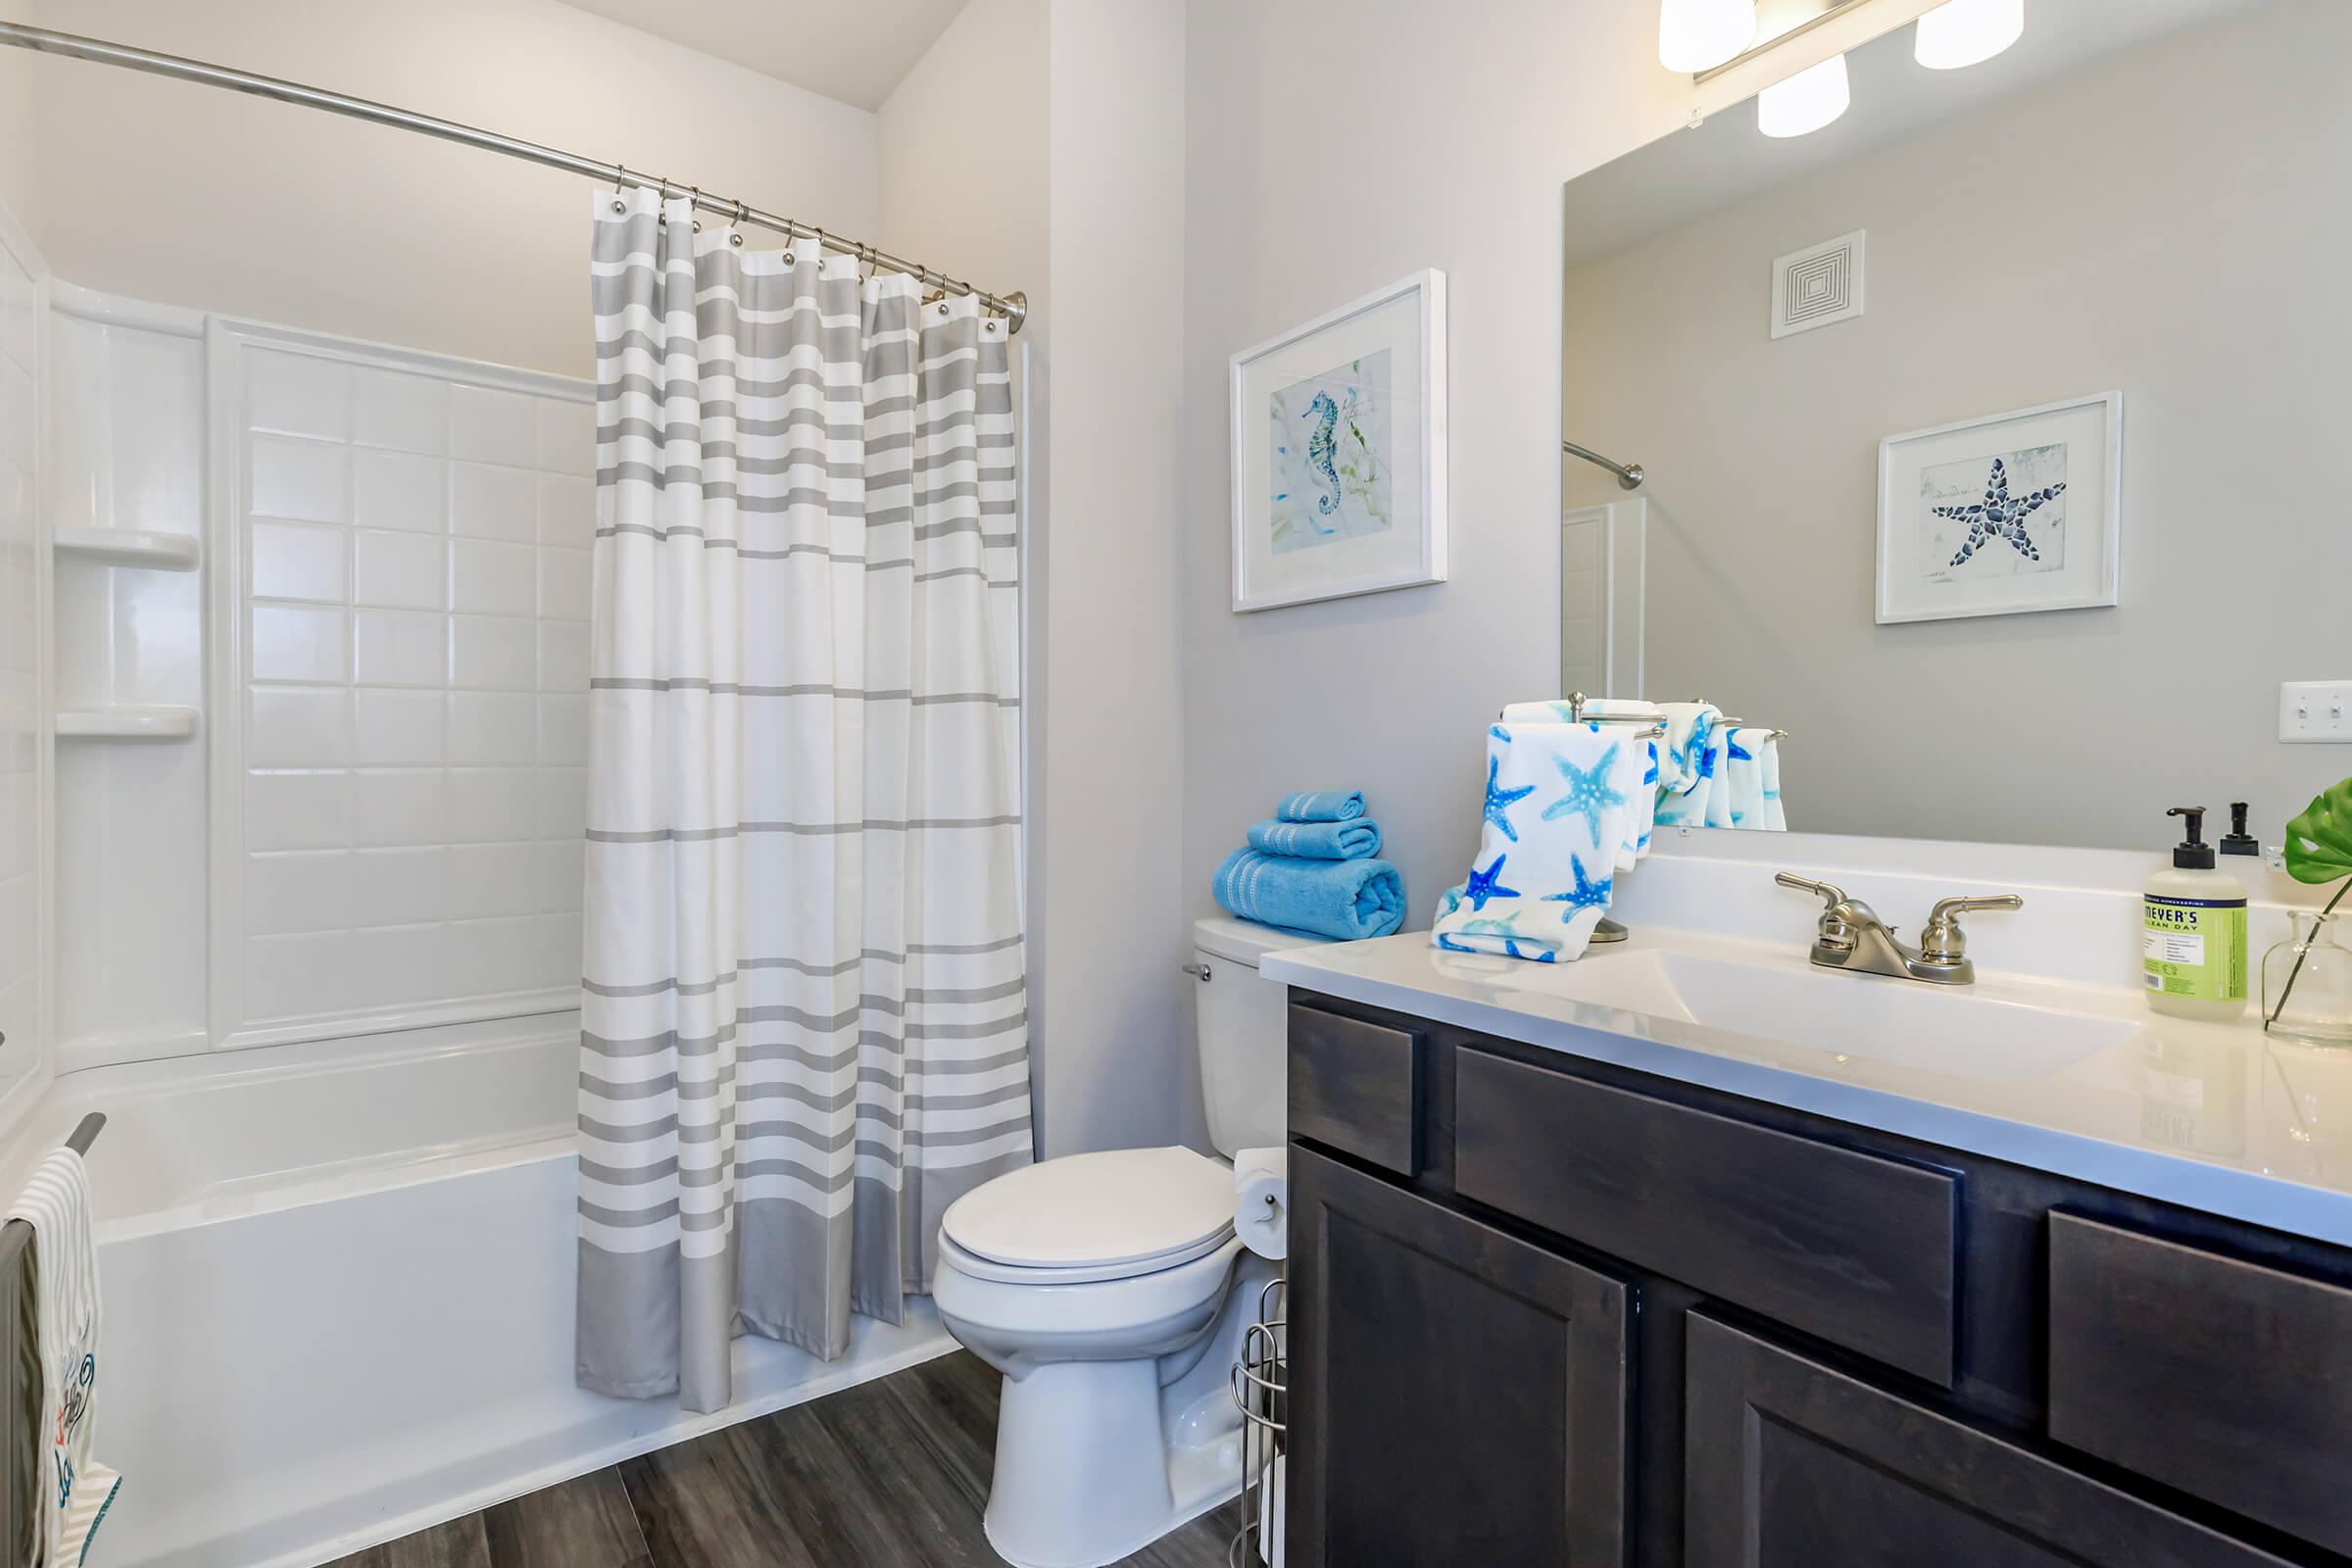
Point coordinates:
pixel 1261 1201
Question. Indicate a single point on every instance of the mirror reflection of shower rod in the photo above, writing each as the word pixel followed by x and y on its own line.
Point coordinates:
pixel 1628 474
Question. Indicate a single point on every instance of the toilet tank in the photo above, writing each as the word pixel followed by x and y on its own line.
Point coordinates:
pixel 1243 1026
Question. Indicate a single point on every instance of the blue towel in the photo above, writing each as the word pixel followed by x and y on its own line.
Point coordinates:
pixel 1324 806
pixel 1349 899
pixel 1358 840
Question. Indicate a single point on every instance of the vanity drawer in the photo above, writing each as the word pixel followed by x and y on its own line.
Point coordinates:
pixel 1849 1247
pixel 1356 1087
pixel 2228 1380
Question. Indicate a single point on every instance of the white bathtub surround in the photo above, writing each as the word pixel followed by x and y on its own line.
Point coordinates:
pixel 375 632
pixel 804 1017
pixel 339 1279
pixel 25 801
pixel 399 686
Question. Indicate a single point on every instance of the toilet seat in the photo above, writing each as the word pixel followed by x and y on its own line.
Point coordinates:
pixel 1086 1218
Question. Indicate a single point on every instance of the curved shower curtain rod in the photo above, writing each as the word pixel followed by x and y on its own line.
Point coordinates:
pixel 1013 307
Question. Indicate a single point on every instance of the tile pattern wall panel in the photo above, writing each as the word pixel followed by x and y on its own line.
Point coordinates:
pixel 414 724
pixel 21 739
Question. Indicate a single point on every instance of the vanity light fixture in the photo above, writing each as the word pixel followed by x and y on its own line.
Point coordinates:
pixel 1695 35
pixel 1967 32
pixel 1806 101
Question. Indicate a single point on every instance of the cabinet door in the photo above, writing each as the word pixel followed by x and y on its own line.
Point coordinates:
pixel 1789 1464
pixel 1457 1394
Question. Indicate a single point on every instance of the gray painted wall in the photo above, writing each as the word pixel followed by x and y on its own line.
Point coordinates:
pixel 1333 147
pixel 1039 146
pixel 2170 221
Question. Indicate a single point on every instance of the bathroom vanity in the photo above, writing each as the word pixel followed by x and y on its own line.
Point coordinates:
pixel 1576 1279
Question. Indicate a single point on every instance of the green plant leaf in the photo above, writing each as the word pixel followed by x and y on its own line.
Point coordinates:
pixel 2319 843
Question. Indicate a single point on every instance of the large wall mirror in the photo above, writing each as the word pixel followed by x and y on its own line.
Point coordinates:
pixel 1990 433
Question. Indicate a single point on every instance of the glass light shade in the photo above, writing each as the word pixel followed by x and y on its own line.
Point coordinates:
pixel 1806 101
pixel 1695 35
pixel 1966 33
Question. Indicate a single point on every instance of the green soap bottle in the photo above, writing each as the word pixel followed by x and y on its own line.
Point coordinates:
pixel 2193 945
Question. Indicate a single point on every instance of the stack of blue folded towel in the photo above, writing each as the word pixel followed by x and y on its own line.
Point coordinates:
pixel 1312 867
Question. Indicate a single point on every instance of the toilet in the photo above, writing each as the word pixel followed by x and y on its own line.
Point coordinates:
pixel 1112 1292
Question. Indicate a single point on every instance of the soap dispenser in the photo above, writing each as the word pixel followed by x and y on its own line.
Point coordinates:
pixel 2194 947
pixel 2237 841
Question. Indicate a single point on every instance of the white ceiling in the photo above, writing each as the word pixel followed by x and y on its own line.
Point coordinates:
pixel 852 50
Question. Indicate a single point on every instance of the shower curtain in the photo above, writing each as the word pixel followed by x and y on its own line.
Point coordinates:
pixel 804 1020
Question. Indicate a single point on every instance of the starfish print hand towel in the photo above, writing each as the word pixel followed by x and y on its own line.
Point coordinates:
pixel 1688 762
pixel 1643 818
pixel 1561 800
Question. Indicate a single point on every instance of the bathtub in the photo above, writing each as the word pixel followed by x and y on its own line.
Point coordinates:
pixel 338 1285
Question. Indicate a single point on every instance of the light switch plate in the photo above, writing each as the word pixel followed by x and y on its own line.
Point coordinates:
pixel 2315 710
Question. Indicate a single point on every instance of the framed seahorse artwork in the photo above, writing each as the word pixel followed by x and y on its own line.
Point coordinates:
pixel 1338 451
pixel 2003 515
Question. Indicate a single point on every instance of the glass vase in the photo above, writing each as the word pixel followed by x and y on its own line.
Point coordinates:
pixel 2307 983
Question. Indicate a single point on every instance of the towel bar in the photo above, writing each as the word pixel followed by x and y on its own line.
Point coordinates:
pixel 16 1233
pixel 1729 723
pixel 1578 715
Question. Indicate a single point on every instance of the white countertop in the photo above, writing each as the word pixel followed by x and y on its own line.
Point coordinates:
pixel 2076 1080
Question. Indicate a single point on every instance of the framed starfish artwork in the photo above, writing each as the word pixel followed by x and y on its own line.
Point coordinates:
pixel 1338 451
pixel 2003 515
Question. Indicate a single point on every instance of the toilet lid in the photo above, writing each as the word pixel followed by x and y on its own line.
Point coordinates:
pixel 1137 1207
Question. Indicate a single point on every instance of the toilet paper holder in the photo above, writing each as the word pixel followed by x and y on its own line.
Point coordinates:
pixel 1260 1383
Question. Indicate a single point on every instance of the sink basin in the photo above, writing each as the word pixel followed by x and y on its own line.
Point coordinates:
pixel 1960 1030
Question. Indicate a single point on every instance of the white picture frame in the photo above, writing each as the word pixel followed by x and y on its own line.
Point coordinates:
pixel 1339 447
pixel 2012 513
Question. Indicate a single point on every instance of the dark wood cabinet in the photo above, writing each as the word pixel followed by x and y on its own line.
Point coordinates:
pixel 1547 1310
pixel 1854 1249
pixel 1791 1464
pixel 2227 1380
pixel 1457 1395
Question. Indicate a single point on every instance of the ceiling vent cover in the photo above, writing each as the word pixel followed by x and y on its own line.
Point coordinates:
pixel 1817 286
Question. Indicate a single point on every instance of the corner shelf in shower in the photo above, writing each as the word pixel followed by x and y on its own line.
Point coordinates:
pixel 127 546
pixel 126 723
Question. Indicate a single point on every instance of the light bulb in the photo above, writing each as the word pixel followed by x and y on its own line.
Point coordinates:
pixel 1965 32
pixel 1695 35
pixel 1806 101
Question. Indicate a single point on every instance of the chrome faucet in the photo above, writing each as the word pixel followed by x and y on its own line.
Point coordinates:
pixel 1851 936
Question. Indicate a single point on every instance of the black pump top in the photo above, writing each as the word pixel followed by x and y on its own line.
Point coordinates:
pixel 2237 841
pixel 2192 853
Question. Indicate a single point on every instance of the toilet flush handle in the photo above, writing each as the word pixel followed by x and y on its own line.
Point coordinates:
pixel 1198 971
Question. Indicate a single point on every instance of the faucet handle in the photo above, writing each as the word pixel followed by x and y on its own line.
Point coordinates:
pixel 1840 915
pixel 1942 941
pixel 1831 893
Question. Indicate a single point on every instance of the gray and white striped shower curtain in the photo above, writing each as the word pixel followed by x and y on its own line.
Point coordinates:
pixel 804 1018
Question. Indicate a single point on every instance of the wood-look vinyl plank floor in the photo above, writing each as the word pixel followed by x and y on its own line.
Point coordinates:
pixel 890 1474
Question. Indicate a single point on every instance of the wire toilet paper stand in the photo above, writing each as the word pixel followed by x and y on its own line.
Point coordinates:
pixel 1261 1387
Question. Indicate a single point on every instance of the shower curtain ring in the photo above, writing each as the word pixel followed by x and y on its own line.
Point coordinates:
pixel 743 214
pixel 696 202
pixel 619 174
